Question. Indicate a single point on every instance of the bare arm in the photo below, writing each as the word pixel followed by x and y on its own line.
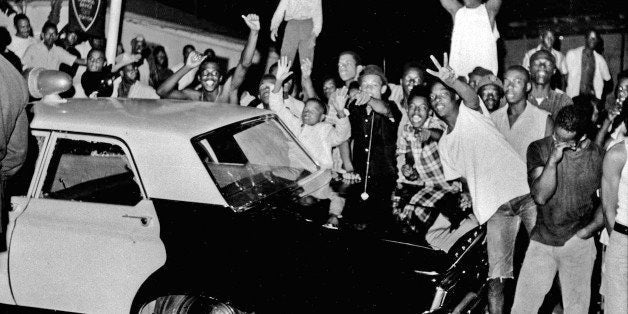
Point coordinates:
pixel 446 74
pixel 542 180
pixel 306 79
pixel 549 126
pixel 614 160
pixel 493 6
pixel 451 6
pixel 246 59
pixel 168 89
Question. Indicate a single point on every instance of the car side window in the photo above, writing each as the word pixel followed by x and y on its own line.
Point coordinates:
pixel 22 179
pixel 90 171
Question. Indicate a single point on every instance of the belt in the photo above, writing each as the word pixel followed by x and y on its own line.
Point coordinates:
pixel 620 228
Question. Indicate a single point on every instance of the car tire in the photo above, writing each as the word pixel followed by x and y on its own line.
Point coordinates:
pixel 183 304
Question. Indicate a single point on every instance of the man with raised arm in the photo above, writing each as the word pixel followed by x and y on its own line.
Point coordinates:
pixel 473 149
pixel 210 75
pixel 474 35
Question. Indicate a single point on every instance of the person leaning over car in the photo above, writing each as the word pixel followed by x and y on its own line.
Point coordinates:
pixel 13 130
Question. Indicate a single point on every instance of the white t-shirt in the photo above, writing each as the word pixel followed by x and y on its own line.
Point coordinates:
pixel 473 41
pixel 477 152
pixel 38 55
pixel 622 193
pixel 529 127
pixel 19 45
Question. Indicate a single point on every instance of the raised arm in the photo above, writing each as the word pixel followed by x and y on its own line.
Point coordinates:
pixel 252 21
pixel 447 75
pixel 542 180
pixel 168 89
pixel 614 161
pixel 451 6
pixel 341 132
pixel 275 99
pixel 306 79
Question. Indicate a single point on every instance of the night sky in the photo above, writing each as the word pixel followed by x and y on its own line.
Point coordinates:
pixel 392 30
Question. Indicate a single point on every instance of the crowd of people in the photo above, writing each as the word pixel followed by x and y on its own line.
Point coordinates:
pixel 449 148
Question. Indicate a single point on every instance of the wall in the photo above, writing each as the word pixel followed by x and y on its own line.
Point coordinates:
pixel 515 49
pixel 172 36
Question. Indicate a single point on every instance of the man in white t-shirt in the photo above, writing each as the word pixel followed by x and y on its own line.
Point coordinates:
pixel 46 54
pixel 23 36
pixel 474 35
pixel 474 150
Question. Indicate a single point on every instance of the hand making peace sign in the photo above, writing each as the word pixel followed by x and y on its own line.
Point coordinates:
pixel 445 73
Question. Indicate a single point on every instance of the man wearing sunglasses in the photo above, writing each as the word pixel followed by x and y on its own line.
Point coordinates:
pixel 564 173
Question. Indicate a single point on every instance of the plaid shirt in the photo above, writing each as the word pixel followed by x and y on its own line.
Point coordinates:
pixel 431 178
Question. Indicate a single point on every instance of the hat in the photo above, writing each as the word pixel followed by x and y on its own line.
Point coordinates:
pixel 490 80
pixel 123 60
pixel 372 69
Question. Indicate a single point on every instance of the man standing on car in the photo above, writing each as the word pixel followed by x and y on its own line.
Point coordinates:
pixel 13 131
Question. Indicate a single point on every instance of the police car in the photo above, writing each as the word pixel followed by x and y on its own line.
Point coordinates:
pixel 160 206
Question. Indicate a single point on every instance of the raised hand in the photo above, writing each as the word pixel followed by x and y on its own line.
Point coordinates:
pixel 252 21
pixel 445 73
pixel 340 98
pixel 194 59
pixel 558 148
pixel 306 68
pixel 283 70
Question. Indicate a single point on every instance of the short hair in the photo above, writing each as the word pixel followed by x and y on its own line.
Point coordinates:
pixel 412 65
pixel 449 89
pixel 47 26
pixel 521 69
pixel 5 37
pixel 591 30
pixel 333 79
pixel 210 53
pixel 267 77
pixel 548 54
pixel 546 29
pixel 214 61
pixel 353 85
pixel 624 111
pixel 188 46
pixel 419 91
pixel 480 71
pixel 319 103
pixel 273 67
pixel 353 54
pixel 572 119
pixel 94 50
pixel 18 17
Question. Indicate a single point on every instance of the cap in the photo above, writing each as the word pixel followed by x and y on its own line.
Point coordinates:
pixel 372 69
pixel 490 80
pixel 122 60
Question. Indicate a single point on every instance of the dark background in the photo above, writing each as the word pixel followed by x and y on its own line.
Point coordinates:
pixel 392 32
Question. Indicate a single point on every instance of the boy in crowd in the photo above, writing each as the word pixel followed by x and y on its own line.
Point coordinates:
pixel 317 136
pixel 431 205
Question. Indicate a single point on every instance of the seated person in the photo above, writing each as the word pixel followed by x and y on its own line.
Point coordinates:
pixel 427 203
pixel 318 137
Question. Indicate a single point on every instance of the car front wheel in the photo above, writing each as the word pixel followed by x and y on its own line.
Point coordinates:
pixel 182 304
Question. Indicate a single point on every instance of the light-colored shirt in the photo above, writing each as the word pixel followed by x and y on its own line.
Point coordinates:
pixel 574 66
pixel 144 71
pixel 299 10
pixel 477 152
pixel 83 48
pixel 560 59
pixel 318 139
pixel 19 45
pixel 294 105
pixel 138 90
pixel 187 79
pixel 473 41
pixel 38 55
pixel 529 127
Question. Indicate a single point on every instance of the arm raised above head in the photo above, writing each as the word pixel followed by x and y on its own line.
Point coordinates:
pixel 451 6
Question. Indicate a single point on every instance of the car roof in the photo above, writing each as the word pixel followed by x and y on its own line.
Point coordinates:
pixel 120 117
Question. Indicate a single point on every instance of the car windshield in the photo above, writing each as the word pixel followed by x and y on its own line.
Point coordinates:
pixel 252 159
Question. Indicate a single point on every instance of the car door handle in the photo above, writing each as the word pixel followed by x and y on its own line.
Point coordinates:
pixel 144 220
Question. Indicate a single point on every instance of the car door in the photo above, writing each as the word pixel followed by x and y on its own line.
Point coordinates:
pixel 87 237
